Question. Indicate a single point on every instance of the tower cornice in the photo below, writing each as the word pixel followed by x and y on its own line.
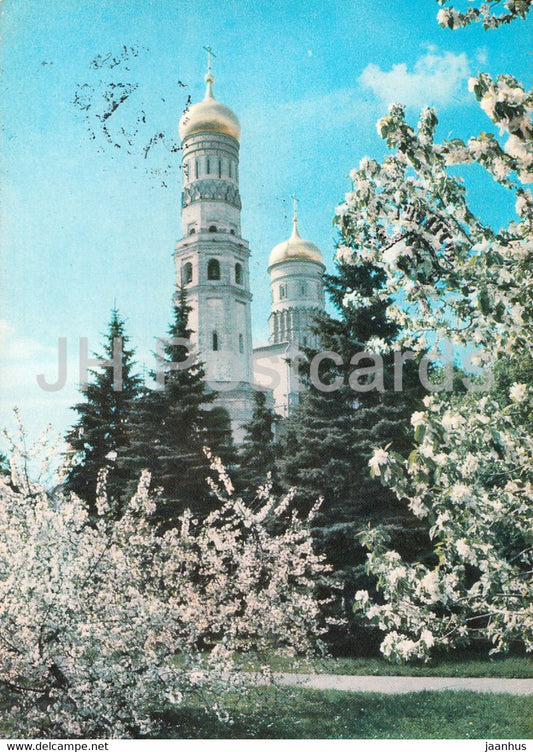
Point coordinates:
pixel 220 288
pixel 205 243
pixel 210 140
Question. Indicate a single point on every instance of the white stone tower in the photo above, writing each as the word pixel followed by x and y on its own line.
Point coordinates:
pixel 212 258
pixel 296 268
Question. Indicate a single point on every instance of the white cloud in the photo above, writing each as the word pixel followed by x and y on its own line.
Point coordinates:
pixel 23 349
pixel 22 359
pixel 438 79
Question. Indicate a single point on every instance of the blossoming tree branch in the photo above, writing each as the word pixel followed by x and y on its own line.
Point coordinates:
pixel 470 472
pixel 106 623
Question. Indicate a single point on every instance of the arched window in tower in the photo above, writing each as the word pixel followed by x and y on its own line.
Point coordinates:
pixel 213 269
pixel 241 343
pixel 186 273
pixel 196 169
pixel 282 291
pixel 208 166
pixel 229 167
pixel 215 341
pixel 219 168
pixel 212 228
pixel 238 274
pixel 303 288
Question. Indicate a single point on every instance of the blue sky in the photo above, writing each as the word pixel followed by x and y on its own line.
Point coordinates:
pixel 88 218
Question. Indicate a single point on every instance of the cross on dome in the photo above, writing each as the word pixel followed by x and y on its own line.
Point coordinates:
pixel 295 205
pixel 210 54
pixel 295 233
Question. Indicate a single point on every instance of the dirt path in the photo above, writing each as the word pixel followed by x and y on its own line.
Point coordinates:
pixel 404 684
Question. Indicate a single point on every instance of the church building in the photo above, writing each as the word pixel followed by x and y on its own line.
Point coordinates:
pixel 212 263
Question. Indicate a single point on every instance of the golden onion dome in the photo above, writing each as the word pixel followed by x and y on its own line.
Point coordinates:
pixel 295 249
pixel 209 116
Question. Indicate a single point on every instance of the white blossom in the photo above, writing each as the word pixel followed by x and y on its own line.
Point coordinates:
pixel 470 465
pixel 463 549
pixel 451 421
pixel 430 582
pixel 377 345
pixel 426 450
pixel 427 638
pixel 356 301
pixel 459 492
pixel 344 254
pixel 517 147
pixel 378 459
pixel 417 419
pixel 518 392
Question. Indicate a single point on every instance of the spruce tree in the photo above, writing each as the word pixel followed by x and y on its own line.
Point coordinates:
pixel 99 439
pixel 327 441
pixel 329 437
pixel 258 450
pixel 219 437
pixel 169 427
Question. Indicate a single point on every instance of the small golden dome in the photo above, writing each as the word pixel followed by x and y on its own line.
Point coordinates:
pixel 295 249
pixel 209 116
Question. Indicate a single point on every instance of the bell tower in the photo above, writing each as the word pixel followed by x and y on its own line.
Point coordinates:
pixel 212 259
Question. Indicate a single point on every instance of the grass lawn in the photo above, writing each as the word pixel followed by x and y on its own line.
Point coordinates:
pixel 307 714
pixel 511 667
pixel 295 713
